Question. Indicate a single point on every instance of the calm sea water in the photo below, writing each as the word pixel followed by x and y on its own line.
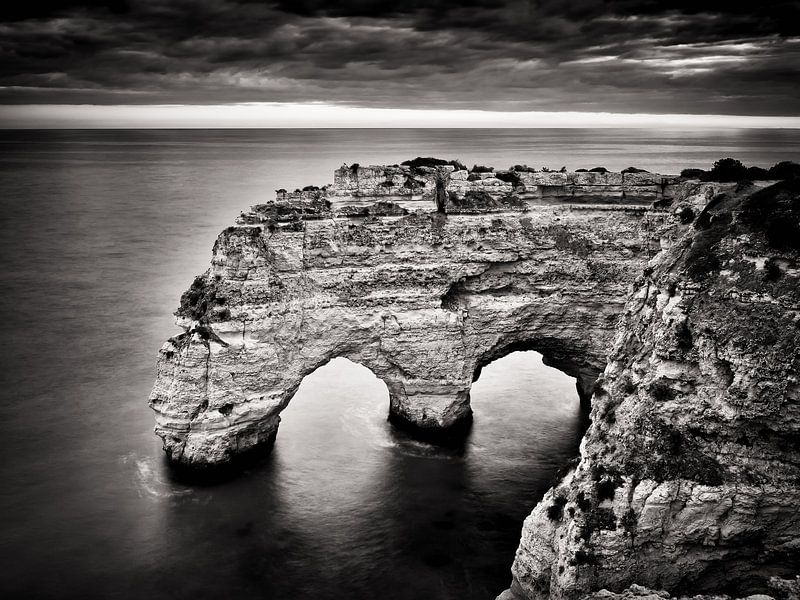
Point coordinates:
pixel 102 230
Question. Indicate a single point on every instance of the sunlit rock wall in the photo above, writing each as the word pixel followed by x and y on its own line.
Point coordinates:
pixel 422 299
pixel 689 477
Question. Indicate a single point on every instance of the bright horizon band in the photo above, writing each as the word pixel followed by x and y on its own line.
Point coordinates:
pixel 318 115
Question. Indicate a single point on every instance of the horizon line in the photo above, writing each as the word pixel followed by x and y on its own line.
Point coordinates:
pixel 316 115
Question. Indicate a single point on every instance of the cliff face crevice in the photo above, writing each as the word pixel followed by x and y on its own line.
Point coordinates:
pixel 690 471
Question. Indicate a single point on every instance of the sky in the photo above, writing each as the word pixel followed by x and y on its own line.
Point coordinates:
pixel 361 63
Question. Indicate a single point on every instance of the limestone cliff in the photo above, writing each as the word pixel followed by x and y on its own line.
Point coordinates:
pixel 369 269
pixel 689 477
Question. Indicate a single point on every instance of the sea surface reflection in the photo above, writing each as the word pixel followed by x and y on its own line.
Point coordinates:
pixel 346 506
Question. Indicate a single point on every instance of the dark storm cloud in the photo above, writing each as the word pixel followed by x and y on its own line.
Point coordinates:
pixel 628 55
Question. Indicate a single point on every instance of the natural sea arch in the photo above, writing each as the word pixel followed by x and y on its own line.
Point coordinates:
pixel 424 301
pixel 340 387
pixel 390 505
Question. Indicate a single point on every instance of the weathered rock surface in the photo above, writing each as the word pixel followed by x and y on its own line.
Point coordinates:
pixel 424 300
pixel 689 478
pixel 780 588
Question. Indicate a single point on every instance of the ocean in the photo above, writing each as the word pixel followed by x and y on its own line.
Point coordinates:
pixel 103 230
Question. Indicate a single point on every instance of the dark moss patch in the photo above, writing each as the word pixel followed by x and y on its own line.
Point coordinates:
pixel 476 201
pixel 703 259
pixel 629 523
pixel 775 212
pixel 772 272
pixel 511 177
pixel 195 301
pixel 566 240
pixel 603 518
pixel 606 488
pixel 556 510
pixel 683 336
pixel 661 392
pixel 662 453
pixel 583 557
pixel 582 502
pixel 429 161
pixel 628 386
pixel 686 215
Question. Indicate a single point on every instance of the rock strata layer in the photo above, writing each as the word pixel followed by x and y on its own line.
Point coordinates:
pixel 422 275
pixel 689 476
pixel 673 303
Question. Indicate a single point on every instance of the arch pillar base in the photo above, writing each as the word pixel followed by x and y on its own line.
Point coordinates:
pixel 437 418
pixel 218 451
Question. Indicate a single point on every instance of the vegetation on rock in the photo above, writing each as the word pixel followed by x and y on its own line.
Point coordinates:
pixel 730 169
pixel 429 161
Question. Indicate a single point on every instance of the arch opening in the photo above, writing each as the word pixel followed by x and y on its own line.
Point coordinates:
pixel 395 506
pixel 572 362
pixel 536 407
pixel 340 391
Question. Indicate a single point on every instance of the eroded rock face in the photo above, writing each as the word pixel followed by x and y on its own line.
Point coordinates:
pixel 423 299
pixel 689 477
pixel 780 588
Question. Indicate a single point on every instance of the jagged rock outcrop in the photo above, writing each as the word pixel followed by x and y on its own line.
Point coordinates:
pixel 689 477
pixel 780 588
pixel 423 299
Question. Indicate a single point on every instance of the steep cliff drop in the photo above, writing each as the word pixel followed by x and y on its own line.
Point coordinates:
pixel 370 270
pixel 689 477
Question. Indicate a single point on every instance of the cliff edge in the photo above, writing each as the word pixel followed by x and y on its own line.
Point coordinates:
pixel 673 302
pixel 689 476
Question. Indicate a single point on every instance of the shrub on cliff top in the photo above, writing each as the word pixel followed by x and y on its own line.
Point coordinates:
pixel 729 169
pixel 430 161
pixel 509 176
pixel 598 170
pixel 785 170
pixel 775 211
pixel 481 169
pixel 634 170
pixel 556 510
pixel 522 169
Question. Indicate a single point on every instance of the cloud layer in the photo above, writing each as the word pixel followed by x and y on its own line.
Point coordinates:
pixel 586 55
